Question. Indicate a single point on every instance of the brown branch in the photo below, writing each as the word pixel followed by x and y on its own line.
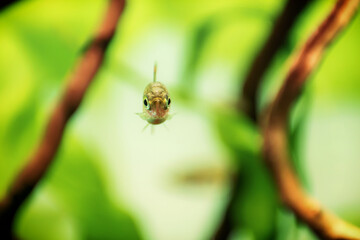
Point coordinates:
pixel 279 33
pixel 275 149
pixel 40 161
pixel 248 99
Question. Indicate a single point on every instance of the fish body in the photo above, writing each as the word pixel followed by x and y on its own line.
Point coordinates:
pixel 156 102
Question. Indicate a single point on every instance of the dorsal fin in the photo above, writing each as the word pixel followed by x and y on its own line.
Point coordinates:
pixel 155 69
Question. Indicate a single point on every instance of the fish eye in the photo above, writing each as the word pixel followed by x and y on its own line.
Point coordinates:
pixel 146 103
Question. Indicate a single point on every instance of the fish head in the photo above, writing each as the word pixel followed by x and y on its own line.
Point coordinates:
pixel 156 103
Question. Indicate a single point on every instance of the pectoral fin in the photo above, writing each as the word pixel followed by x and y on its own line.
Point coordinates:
pixel 141 115
pixel 170 116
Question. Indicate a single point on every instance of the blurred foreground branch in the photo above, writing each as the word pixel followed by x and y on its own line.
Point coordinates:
pixel 275 149
pixel 6 3
pixel 278 35
pixel 40 161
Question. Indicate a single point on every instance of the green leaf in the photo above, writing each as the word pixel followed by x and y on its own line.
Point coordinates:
pixel 256 200
pixel 76 180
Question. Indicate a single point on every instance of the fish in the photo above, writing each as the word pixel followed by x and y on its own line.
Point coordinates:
pixel 156 102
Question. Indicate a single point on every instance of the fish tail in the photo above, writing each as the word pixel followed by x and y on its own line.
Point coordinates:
pixel 155 70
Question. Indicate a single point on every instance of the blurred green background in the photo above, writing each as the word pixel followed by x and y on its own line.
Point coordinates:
pixel 110 180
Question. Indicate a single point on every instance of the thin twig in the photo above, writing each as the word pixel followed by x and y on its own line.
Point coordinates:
pixel 248 100
pixel 40 161
pixel 279 33
pixel 275 149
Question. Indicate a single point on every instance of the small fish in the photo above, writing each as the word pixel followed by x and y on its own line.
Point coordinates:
pixel 156 102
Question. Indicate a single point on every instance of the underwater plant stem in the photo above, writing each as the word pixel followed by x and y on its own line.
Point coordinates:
pixel 40 161
pixel 277 37
pixel 275 146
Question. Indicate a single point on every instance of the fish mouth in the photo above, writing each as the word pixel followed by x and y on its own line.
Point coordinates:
pixel 156 121
pixel 158 108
